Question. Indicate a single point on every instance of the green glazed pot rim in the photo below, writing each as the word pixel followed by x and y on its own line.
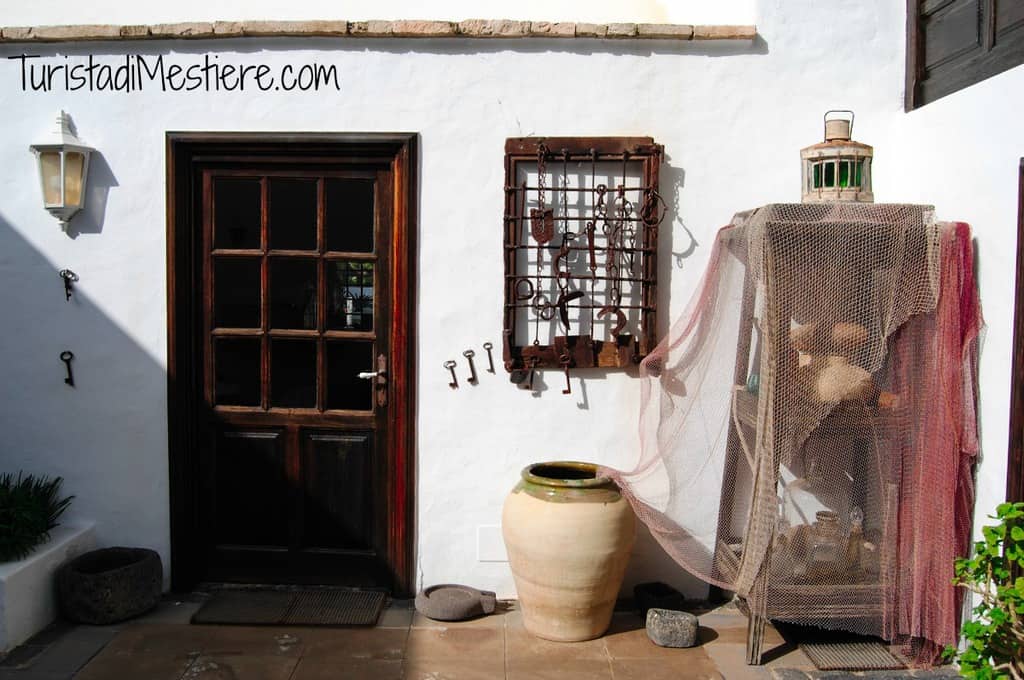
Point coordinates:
pixel 566 474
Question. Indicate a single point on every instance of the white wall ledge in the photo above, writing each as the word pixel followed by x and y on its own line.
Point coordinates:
pixel 28 600
pixel 470 28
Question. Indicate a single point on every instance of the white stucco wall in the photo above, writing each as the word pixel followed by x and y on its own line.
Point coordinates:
pixel 732 118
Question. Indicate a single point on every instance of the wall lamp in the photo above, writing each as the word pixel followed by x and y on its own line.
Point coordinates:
pixel 63 169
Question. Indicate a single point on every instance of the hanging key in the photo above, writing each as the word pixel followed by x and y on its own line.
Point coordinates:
pixel 70 278
pixel 565 360
pixel 490 359
pixel 450 365
pixel 469 354
pixel 66 356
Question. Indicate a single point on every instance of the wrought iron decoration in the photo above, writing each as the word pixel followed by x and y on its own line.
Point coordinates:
pixel 581 232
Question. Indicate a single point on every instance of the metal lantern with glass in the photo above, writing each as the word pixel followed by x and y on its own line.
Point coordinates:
pixel 838 169
pixel 63 169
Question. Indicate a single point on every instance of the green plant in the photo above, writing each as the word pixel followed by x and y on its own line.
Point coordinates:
pixel 995 635
pixel 29 508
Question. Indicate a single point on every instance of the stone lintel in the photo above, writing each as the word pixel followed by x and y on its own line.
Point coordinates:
pixel 412 29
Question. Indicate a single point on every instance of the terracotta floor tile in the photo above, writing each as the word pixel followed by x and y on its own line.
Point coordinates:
pixel 111 664
pixel 310 668
pixel 495 620
pixel 561 669
pixel 486 645
pixel 663 669
pixel 241 666
pixel 396 617
pixel 163 639
pixel 731 662
pixel 521 644
pixel 377 644
pixel 470 668
pixel 253 640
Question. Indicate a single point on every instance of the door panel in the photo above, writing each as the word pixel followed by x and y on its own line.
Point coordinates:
pixel 338 512
pixel 251 505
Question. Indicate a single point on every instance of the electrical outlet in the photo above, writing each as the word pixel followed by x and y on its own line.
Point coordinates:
pixel 490 546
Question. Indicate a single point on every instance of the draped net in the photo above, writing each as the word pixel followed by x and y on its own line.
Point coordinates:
pixel 808 426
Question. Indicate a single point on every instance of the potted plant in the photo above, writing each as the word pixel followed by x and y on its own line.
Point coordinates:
pixel 29 508
pixel 994 638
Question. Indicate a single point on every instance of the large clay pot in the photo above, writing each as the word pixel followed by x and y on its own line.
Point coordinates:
pixel 568 533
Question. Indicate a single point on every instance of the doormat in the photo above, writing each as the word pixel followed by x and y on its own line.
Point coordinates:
pixel 851 656
pixel 331 607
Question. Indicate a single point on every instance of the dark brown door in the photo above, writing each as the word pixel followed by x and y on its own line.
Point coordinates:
pixel 296 474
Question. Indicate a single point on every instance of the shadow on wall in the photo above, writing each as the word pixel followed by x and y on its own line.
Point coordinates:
pixel 107 435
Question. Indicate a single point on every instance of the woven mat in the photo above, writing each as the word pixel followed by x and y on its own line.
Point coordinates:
pixel 851 656
pixel 292 608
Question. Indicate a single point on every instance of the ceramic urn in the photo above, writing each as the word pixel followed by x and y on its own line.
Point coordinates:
pixel 568 533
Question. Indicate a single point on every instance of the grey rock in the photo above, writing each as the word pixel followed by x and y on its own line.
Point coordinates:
pixel 668 628
pixel 454 602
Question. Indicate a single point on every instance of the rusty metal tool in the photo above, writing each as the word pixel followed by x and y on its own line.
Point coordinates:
pixel 620 318
pixel 562 257
pixel 490 359
pixel 450 365
pixel 563 306
pixel 591 231
pixel 469 354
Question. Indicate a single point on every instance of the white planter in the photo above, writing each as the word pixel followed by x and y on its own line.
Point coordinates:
pixel 28 601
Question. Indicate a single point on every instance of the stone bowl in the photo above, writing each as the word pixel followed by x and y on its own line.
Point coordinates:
pixel 109 585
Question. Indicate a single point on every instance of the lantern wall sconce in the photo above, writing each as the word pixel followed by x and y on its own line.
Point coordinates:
pixel 63 171
pixel 838 169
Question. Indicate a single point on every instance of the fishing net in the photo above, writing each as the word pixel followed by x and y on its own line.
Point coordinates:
pixel 808 426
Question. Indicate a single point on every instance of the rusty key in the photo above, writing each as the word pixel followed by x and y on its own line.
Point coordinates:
pixel 469 354
pixel 490 359
pixel 450 365
pixel 565 360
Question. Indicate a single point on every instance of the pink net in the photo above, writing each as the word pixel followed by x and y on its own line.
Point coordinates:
pixel 808 426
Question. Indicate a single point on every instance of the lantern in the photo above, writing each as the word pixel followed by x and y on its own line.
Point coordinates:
pixel 63 169
pixel 838 169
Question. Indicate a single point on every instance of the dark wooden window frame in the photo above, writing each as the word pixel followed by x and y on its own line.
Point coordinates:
pixel 184 318
pixel 1015 462
pixel 995 51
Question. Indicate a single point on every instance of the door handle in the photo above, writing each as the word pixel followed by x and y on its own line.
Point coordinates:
pixel 381 375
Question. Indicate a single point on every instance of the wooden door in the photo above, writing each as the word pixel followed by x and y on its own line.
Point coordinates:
pixel 299 341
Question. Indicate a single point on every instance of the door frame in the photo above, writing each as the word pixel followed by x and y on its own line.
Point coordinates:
pixel 184 152
pixel 1015 459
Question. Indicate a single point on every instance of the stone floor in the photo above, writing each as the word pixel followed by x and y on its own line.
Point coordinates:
pixel 163 646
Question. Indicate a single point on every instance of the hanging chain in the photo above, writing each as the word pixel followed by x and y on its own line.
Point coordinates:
pixel 540 300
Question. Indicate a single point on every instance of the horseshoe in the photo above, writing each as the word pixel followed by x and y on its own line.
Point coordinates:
pixel 524 294
pixel 620 317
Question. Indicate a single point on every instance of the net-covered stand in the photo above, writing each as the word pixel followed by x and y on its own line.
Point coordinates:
pixel 822 470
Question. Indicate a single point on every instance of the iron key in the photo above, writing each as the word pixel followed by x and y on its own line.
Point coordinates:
pixel 66 356
pixel 450 365
pixel 490 359
pixel 469 354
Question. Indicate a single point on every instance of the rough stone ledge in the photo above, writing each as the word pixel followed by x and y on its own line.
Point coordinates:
pixel 470 28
